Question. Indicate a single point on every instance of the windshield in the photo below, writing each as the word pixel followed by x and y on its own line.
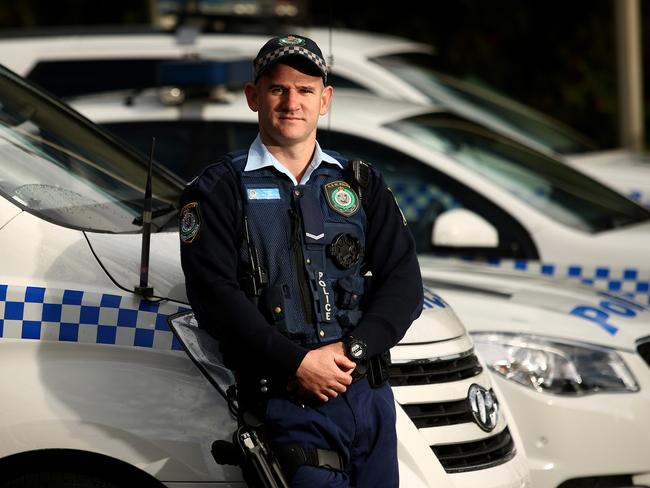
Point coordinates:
pixel 553 188
pixel 62 168
pixel 493 108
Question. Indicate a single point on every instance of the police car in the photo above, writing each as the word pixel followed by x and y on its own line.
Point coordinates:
pixel 399 68
pixel 388 66
pixel 573 364
pixel 96 390
pixel 466 191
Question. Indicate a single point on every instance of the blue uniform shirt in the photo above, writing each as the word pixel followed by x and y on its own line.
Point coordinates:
pixel 260 157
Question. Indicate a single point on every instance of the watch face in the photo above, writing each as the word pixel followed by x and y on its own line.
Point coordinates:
pixel 357 349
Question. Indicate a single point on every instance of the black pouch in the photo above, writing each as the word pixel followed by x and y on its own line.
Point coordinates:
pixel 379 369
pixel 349 291
pixel 272 305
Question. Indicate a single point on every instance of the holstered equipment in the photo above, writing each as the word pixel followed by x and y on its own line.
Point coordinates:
pixel 379 369
pixel 376 369
pixel 293 456
pixel 248 450
pixel 360 176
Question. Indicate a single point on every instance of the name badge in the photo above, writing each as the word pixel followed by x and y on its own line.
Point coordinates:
pixel 263 193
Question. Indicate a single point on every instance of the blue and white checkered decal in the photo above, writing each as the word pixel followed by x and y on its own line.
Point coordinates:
pixel 628 282
pixel 31 312
pixel 432 300
pixel 416 197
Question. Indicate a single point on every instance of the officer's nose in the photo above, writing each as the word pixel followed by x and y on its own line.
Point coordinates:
pixel 291 102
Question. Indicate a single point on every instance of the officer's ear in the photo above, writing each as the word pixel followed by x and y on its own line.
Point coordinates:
pixel 326 99
pixel 250 91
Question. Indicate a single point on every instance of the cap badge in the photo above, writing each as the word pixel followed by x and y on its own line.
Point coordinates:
pixel 291 41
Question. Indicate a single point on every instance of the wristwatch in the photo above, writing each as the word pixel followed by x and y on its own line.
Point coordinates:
pixel 355 349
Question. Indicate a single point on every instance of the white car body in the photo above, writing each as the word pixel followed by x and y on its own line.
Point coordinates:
pixel 615 259
pixel 567 437
pixel 355 59
pixel 92 378
pixel 627 171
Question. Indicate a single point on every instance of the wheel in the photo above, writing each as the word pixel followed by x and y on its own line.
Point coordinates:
pixel 57 479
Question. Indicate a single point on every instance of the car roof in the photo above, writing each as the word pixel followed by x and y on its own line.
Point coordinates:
pixel 21 54
pixel 361 44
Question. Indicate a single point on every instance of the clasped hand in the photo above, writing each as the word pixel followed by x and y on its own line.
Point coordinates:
pixel 324 373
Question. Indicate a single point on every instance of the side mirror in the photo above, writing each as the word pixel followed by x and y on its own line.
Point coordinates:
pixel 460 227
pixel 202 349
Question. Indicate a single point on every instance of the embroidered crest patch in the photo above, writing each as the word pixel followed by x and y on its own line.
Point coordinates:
pixel 190 222
pixel 341 197
pixel 291 41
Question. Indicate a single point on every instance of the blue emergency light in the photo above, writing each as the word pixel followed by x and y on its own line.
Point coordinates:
pixel 198 73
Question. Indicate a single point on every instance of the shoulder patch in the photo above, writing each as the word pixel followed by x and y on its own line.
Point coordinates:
pixel 190 222
pixel 341 197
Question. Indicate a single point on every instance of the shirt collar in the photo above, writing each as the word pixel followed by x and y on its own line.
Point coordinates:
pixel 260 157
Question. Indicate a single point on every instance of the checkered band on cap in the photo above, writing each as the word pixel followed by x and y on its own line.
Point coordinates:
pixel 265 60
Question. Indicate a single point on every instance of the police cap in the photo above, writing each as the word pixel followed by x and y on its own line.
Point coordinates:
pixel 280 48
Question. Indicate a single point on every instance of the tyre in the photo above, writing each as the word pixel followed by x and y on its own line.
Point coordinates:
pixel 58 479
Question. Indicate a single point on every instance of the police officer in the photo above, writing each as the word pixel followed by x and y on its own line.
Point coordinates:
pixel 277 245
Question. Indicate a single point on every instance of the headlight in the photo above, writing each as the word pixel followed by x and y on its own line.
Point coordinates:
pixel 554 366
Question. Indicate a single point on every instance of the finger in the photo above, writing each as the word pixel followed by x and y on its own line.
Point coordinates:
pixel 344 362
pixel 345 379
pixel 331 393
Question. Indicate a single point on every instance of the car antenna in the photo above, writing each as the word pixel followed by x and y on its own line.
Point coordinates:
pixel 144 289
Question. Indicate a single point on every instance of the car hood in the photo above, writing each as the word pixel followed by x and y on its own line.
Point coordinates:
pixel 489 299
pixel 120 255
pixel 625 170
pixel 437 322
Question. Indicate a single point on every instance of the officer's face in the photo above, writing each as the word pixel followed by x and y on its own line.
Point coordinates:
pixel 289 103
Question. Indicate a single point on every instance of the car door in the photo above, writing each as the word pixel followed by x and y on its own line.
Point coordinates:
pixel 424 193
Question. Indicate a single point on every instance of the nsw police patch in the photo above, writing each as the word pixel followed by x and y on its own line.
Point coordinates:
pixel 190 222
pixel 291 41
pixel 341 197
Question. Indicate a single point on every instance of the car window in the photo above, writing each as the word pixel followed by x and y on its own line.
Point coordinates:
pixel 423 193
pixel 70 78
pixel 415 69
pixel 59 166
pixel 339 81
pixel 185 146
pixel 84 76
pixel 551 187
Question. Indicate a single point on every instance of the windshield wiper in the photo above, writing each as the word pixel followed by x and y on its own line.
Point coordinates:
pixel 168 208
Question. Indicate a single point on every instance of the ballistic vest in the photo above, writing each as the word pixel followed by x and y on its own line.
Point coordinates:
pixel 310 239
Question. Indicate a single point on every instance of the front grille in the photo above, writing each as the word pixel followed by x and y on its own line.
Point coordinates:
pixel 475 455
pixel 436 371
pixel 621 481
pixel 644 350
pixel 439 414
